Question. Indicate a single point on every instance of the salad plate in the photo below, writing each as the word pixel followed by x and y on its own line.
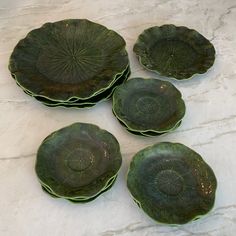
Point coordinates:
pixel 174 51
pixel 148 105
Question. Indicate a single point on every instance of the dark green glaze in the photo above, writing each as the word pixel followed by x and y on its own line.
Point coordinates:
pixel 174 51
pixel 172 183
pixel 148 105
pixel 77 100
pixel 68 59
pixel 91 101
pixel 78 161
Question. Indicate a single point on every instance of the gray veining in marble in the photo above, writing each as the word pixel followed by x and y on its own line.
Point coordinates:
pixel 209 125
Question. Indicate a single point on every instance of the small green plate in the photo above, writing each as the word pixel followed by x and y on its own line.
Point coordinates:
pixel 172 51
pixel 148 105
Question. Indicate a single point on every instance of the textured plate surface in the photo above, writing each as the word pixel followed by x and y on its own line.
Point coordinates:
pixel 174 51
pixel 78 160
pixel 148 105
pixel 91 101
pixel 68 59
pixel 171 183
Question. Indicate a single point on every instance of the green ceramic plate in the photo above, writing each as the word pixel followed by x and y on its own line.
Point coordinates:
pixel 148 105
pixel 173 51
pixel 171 183
pixel 91 101
pixel 78 161
pixel 68 59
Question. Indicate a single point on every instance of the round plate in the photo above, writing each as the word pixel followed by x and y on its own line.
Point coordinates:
pixel 148 105
pixel 68 59
pixel 78 161
pixel 174 51
pixel 171 183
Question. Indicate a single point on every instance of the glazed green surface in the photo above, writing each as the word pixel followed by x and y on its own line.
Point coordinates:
pixel 171 183
pixel 173 51
pixel 91 101
pixel 145 105
pixel 78 161
pixel 73 58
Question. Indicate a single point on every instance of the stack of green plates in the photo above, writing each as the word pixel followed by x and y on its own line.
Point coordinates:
pixel 78 162
pixel 71 63
pixel 148 107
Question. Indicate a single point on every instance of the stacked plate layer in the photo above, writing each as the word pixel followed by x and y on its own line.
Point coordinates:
pixel 78 162
pixel 71 63
pixel 148 107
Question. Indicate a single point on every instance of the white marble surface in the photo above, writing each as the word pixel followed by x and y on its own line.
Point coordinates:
pixel 209 125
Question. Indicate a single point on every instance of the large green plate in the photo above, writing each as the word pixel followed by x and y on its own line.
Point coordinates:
pixel 78 161
pixel 68 59
pixel 171 183
pixel 173 51
pixel 148 105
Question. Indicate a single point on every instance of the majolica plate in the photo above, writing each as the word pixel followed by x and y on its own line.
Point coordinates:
pixel 172 183
pixel 78 161
pixel 173 51
pixel 68 59
pixel 145 105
